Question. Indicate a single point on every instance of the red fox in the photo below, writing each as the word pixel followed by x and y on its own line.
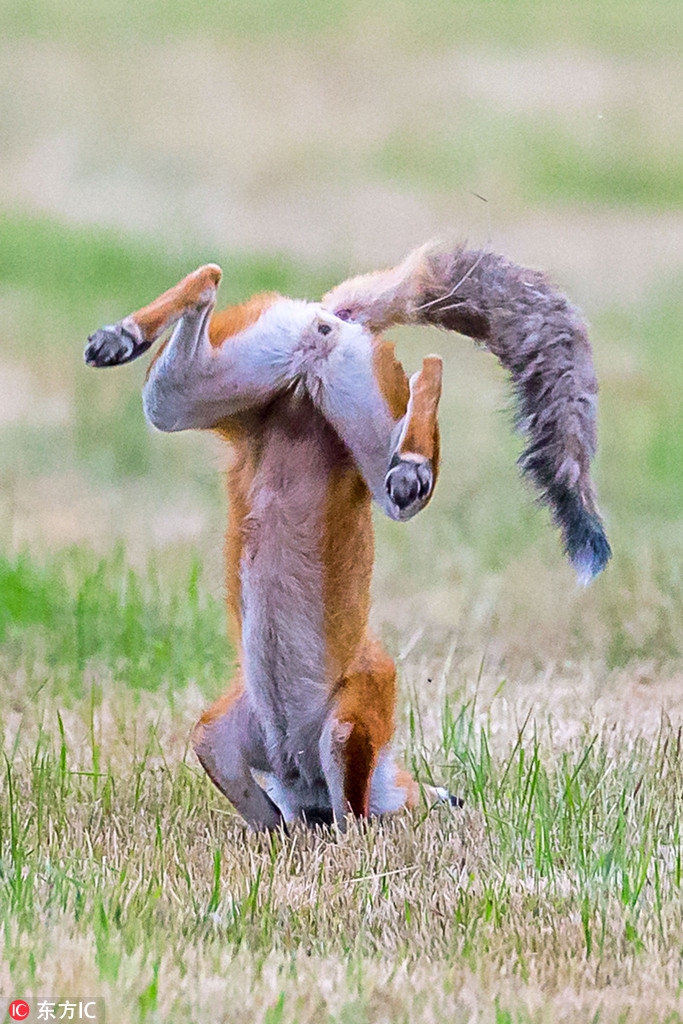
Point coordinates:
pixel 322 419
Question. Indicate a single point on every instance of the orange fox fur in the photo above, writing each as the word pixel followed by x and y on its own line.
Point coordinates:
pixel 323 419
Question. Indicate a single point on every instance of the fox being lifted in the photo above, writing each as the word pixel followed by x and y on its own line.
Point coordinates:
pixel 322 418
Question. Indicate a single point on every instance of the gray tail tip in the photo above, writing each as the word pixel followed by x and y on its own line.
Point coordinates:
pixel 584 536
pixel 588 549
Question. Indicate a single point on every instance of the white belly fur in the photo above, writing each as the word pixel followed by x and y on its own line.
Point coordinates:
pixel 282 599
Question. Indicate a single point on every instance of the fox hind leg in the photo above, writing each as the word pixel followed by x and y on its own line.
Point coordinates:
pixel 414 465
pixel 126 340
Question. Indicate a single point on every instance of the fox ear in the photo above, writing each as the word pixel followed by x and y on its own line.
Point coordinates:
pixel 537 336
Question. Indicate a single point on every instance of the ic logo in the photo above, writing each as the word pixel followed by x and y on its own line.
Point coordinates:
pixel 19 1009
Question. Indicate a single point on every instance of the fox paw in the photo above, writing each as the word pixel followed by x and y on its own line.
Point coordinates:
pixel 115 344
pixel 409 484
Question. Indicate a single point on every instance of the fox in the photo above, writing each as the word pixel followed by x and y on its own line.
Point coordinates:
pixel 323 420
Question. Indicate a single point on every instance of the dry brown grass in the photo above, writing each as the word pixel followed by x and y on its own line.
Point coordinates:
pixel 150 892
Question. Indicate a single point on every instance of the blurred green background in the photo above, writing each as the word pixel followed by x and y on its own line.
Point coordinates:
pixel 297 143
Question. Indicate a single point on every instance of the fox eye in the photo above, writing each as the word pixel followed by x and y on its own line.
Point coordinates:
pixel 324 328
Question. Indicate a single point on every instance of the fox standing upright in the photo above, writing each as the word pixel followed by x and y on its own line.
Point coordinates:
pixel 323 419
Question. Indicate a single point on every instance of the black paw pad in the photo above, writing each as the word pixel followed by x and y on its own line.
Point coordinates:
pixel 408 483
pixel 111 346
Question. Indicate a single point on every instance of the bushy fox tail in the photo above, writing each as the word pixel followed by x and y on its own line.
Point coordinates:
pixel 538 337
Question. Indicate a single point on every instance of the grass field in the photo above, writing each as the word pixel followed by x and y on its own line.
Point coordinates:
pixel 293 145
